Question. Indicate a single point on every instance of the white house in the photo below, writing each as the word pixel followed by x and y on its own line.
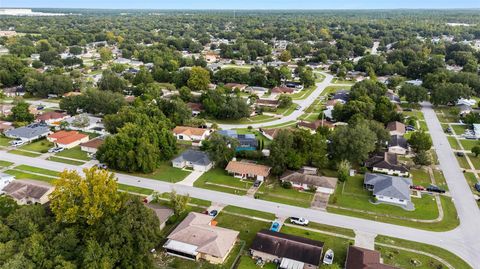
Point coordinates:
pixel 195 135
pixel 245 170
pixel 5 179
pixel 390 189
pixel 398 145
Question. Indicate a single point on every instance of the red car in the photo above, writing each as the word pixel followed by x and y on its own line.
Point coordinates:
pixel 418 188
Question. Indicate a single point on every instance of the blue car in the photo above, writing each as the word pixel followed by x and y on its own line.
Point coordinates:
pixel 275 227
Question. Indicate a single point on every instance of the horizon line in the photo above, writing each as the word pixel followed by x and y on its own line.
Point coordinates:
pixel 254 9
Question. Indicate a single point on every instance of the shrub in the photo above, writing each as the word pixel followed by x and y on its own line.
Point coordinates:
pixel 286 185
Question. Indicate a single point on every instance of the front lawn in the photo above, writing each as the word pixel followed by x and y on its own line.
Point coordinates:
pixel 471 179
pixel 38 170
pixel 420 177
pixel 468 144
pixel 247 227
pixel 5 163
pixel 134 189
pixel 475 161
pixel 217 177
pixel 459 129
pixel 4 141
pixel 67 161
pixel 249 212
pixel 166 172
pixel 272 191
pixel 26 175
pixel 246 262
pixel 453 143
pixel 74 153
pixel 24 153
pixel 462 161
pixel 40 146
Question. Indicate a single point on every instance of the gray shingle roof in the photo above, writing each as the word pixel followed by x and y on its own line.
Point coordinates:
pixel 397 141
pixel 390 186
pixel 194 156
pixel 30 131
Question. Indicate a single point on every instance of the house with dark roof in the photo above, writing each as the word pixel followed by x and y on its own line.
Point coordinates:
pixel 163 213
pixel 390 189
pixel 398 145
pixel 291 251
pixel 195 159
pixel 51 117
pixel 341 95
pixel 196 108
pixel 361 258
pixel 302 180
pixel 273 103
pixel 396 128
pixel 30 132
pixel 314 125
pixel 246 141
pixel 387 163
pixel 28 191
pixel 282 90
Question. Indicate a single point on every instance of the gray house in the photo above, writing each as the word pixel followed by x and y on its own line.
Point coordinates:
pixel 30 132
pixel 198 160
pixel 390 189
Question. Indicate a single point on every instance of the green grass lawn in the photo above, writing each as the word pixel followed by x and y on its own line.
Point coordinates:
pixel 330 229
pixel 24 153
pixel 462 161
pixel 440 179
pixel 285 124
pixel 338 245
pixel 41 146
pixel 475 160
pixel 247 227
pixel 5 163
pixel 342 81
pixel 420 177
pixel 471 179
pixel 303 93
pixel 332 89
pixel 26 175
pixel 423 126
pixel 74 153
pixel 254 119
pixel 37 170
pixel 166 172
pixel 453 143
pixel 198 202
pixel 220 176
pixel 401 259
pixel 249 212
pixel 246 262
pixel 272 191
pixel 134 189
pixel 67 161
pixel 415 113
pixel 4 141
pixel 459 129
pixel 468 144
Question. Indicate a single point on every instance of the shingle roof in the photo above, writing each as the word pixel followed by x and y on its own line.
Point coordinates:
pixel 315 124
pixel 390 186
pixel 361 258
pixel 396 126
pixel 196 157
pixel 20 189
pixel 288 246
pixel 94 143
pixel 30 131
pixel 186 130
pixel 397 141
pixel 51 115
pixel 386 160
pixel 196 230
pixel 248 168
pixel 318 181
pixel 282 90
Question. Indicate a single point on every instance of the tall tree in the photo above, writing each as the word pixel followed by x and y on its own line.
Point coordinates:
pixel 199 79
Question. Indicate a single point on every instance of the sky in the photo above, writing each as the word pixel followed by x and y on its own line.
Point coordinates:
pixel 244 4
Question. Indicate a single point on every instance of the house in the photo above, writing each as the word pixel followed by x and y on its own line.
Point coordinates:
pixel 416 82
pixel 314 125
pixel 290 251
pixel 14 91
pixel 246 170
pixel 196 108
pixel 92 146
pixel 246 141
pixel 270 133
pixel 162 213
pixel 467 102
pixel 30 132
pixel 341 95
pixel 393 97
pixel 397 144
pixel 396 128
pixel 464 109
pixel 51 117
pixel 303 180
pixel 5 126
pixel 238 86
pixel 67 139
pixel 6 109
pixel 195 159
pixel 86 123
pixel 5 179
pixel 195 135
pixel 282 90
pixel 389 189
pixel 211 57
pixel 256 90
pixel 196 238
pixel 330 104
pixel 387 163
pixel 271 103
pixel 361 258
pixel 28 191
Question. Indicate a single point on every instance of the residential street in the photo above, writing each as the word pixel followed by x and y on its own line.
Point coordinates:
pixel 460 241
pixel 305 103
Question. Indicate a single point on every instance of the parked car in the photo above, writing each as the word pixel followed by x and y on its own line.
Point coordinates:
pixel 433 188
pixel 448 130
pixel 460 154
pixel 56 150
pixel 418 188
pixel 299 221
pixel 275 226
pixel 477 186
pixel 407 109
pixel 16 143
pixel 298 108
pixel 40 107
pixel 328 258
pixel 213 213
pixel 257 183
pixel 102 166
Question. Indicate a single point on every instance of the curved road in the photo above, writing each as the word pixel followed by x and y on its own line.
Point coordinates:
pixel 304 103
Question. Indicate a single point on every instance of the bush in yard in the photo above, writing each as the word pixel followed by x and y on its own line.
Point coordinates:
pixel 343 170
pixel 422 158
pixel 286 185
pixel 476 150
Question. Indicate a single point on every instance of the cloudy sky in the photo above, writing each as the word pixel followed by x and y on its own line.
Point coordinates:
pixel 244 4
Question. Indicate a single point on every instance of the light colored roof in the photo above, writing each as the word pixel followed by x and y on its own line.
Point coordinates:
pixel 317 181
pixel 396 126
pixel 186 130
pixel 390 186
pixel 196 230
pixel 248 168
pixel 20 189
pixel 163 213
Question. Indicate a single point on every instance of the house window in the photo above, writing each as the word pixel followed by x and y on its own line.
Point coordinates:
pixel 180 137
pixel 401 200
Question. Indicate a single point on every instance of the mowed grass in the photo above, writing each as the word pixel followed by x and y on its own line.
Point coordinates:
pixel 37 170
pixel 329 228
pixel 218 177
pixel 249 212
pixel 275 193
pixel 5 163
pixel 41 146
pixel 24 153
pixel 420 177
pixel 66 161
pixel 337 244
pixel 459 129
pixel 4 141
pixel 462 161
pixel 26 175
pixel 134 189
pixel 166 172
pixel 247 227
pixel 471 179
pixel 453 143
pixel 475 160
pixel 74 153
pixel 468 144
pixel 402 259
pixel 246 262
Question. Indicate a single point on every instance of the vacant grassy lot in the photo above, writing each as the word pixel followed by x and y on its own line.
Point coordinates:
pixel 247 227
pixel 272 191
pixel 401 259
pixel 329 228
pixel 74 153
pixel 249 212
pixel 41 146
pixel 420 177
pixel 166 172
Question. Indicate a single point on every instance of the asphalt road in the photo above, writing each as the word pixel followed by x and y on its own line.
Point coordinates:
pixel 305 103
pixel 456 241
